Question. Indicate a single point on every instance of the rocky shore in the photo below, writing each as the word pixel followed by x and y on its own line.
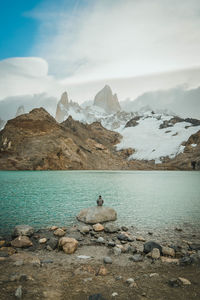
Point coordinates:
pixel 99 261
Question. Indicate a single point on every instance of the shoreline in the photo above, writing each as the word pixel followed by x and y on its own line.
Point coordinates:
pixel 41 272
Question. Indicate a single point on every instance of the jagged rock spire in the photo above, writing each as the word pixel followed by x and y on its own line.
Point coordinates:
pixel 62 107
pixel 106 100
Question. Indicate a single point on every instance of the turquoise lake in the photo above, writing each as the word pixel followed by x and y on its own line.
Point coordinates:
pixel 146 199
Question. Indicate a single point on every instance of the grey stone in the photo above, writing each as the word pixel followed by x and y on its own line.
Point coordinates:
pixel 117 251
pixel 186 260
pixel 136 258
pixel 149 246
pixel 124 228
pixel 46 261
pixel 107 260
pixel 84 229
pixel 52 242
pixel 18 292
pixel 174 282
pixel 111 228
pixel 122 237
pixel 194 247
pixel 97 214
pixel 101 240
pixel 111 244
pixel 23 230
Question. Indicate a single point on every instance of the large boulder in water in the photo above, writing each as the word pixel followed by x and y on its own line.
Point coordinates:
pixel 97 214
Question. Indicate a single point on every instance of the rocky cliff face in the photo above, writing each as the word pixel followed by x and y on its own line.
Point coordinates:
pixel 106 100
pixel 35 141
pixel 62 107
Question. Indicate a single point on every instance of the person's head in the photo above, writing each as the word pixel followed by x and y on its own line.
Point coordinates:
pixel 99 196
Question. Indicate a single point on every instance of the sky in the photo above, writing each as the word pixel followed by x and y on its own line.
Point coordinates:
pixel 80 45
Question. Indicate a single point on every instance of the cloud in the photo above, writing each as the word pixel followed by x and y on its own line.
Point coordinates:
pixel 118 38
pixel 26 75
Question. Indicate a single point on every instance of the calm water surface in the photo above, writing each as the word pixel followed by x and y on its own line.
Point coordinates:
pixel 146 199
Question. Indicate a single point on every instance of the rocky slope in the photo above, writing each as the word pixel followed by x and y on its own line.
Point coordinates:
pixel 35 141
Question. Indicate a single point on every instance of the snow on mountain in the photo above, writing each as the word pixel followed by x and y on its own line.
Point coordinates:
pixel 152 140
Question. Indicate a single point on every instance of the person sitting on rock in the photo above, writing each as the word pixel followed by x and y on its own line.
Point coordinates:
pixel 100 201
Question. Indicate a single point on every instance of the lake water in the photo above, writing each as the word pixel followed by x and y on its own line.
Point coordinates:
pixel 146 199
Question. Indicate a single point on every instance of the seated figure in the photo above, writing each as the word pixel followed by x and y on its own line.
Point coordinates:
pixel 100 201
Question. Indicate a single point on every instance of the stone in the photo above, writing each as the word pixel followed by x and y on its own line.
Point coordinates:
pixel 111 228
pixel 155 253
pixel 184 281
pixel 168 251
pixel 169 260
pixel 107 260
pixel 154 275
pixel 111 244
pixel 117 251
pixel 194 247
pixel 52 242
pixel 136 258
pixel 18 292
pixel 178 229
pixel 96 297
pixel 114 294
pixel 98 227
pixel 8 250
pixel 149 246
pixel 122 237
pixel 46 261
pixel 174 282
pixel 101 240
pixel 97 214
pixel 102 271
pixel 2 243
pixel 140 239
pixel 124 228
pixel 130 280
pixel 24 230
pixel 69 245
pixel 59 232
pixel 53 228
pixel 42 241
pixel 186 260
pixel 84 229
pixel 49 248
pixel 21 242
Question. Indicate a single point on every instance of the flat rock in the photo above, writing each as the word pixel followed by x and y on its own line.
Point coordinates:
pixel 169 260
pixel 21 242
pixel 59 232
pixel 97 214
pixel 111 228
pixel 136 258
pixel 23 230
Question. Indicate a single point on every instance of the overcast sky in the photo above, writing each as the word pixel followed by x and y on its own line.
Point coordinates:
pixel 90 41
